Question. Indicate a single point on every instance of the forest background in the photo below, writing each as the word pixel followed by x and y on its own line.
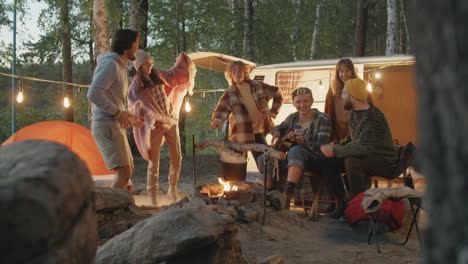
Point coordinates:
pixel 263 31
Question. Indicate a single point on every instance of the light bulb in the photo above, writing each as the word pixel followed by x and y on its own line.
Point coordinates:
pixel 66 102
pixel 369 87
pixel 320 85
pixel 188 108
pixel 20 97
pixel 378 75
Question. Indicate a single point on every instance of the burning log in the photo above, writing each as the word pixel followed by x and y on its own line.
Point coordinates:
pixel 243 147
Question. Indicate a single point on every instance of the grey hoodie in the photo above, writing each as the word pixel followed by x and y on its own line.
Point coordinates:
pixel 109 88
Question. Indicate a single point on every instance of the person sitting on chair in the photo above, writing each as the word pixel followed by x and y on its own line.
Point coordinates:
pixel 368 150
pixel 307 129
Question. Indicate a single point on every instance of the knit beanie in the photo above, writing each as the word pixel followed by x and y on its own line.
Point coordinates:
pixel 357 88
pixel 141 57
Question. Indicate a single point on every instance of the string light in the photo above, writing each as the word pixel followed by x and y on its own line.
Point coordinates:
pixel 369 87
pixel 20 96
pixel 378 75
pixel 188 107
pixel 66 102
pixel 321 85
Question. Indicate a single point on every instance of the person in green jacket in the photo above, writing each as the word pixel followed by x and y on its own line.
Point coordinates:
pixel 368 150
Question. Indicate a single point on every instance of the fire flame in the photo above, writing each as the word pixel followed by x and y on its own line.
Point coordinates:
pixel 227 186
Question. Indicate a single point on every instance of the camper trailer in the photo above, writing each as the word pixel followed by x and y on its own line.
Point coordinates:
pixel 390 81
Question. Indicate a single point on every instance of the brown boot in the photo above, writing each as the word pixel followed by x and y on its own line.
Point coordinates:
pixel 285 201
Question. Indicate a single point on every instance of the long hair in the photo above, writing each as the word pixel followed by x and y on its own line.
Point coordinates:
pixel 338 84
pixel 123 39
pixel 149 82
pixel 232 65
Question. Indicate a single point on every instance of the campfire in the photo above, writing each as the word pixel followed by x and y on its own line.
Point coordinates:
pixel 227 186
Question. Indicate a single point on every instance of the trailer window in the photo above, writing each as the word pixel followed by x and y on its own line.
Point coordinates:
pixel 287 81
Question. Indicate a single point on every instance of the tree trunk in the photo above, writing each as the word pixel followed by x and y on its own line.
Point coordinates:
pixel 391 46
pixel 403 18
pixel 440 37
pixel 313 46
pixel 376 46
pixel 360 29
pixel 248 29
pixel 233 44
pixel 139 20
pixel 101 35
pixel 101 29
pixel 67 73
pixel 181 37
pixel 92 61
pixel 294 35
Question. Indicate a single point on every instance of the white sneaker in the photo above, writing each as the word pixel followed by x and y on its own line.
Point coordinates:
pixel 172 193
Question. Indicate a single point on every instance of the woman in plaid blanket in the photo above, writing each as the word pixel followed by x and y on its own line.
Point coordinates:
pixel 156 95
pixel 245 102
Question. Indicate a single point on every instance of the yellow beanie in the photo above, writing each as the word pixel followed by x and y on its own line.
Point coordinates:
pixel 357 88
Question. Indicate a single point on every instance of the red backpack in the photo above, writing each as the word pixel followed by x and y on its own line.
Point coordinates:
pixel 390 213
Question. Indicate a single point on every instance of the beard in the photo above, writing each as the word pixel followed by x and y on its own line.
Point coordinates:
pixel 348 106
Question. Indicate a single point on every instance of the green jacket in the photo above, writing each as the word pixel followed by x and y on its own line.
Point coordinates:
pixel 370 135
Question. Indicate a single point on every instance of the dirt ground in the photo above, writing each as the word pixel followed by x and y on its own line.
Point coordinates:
pixel 288 233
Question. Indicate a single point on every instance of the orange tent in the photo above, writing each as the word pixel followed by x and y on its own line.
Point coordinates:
pixel 74 136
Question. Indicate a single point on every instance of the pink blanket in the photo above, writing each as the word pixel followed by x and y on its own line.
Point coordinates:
pixel 178 80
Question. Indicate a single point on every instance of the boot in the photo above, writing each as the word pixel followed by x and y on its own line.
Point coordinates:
pixel 339 211
pixel 153 197
pixel 285 201
pixel 172 193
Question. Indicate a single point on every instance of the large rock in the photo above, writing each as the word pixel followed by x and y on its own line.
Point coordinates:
pixel 47 205
pixel 109 199
pixel 116 212
pixel 186 235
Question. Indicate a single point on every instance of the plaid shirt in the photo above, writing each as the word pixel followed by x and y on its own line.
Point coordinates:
pixel 163 105
pixel 317 134
pixel 240 126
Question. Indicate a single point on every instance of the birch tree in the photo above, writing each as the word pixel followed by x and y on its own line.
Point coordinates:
pixel 101 35
pixel 313 46
pixel 392 28
pixel 101 29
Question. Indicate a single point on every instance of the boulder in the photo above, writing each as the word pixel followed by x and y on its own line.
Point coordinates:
pixel 185 235
pixel 248 213
pixel 109 199
pixel 277 199
pixel 271 260
pixel 47 203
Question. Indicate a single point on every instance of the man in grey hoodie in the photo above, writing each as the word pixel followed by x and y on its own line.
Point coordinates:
pixel 110 117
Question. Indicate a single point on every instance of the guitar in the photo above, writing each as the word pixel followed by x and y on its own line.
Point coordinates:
pixel 284 142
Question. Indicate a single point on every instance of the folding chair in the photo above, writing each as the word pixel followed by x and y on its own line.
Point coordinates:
pixel 405 159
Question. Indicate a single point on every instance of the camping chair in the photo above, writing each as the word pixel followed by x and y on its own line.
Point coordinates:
pixel 317 185
pixel 405 159
pixel 401 167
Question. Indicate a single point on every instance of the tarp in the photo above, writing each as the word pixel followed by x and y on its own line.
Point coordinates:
pixel 215 61
pixel 74 136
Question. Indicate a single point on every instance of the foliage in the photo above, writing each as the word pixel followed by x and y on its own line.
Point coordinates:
pixel 282 32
